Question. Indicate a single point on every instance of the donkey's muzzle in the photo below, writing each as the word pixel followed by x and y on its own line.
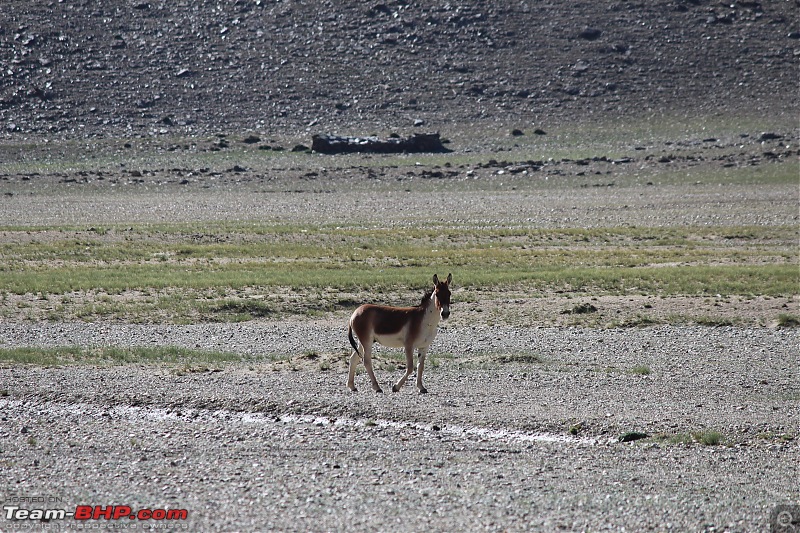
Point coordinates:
pixel 445 313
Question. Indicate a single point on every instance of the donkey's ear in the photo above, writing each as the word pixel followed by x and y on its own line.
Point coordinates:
pixel 449 279
pixel 435 279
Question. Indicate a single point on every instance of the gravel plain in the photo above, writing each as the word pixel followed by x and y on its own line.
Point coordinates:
pixel 520 430
pixel 494 446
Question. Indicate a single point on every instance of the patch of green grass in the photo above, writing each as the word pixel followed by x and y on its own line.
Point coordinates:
pixel 713 321
pixel 574 429
pixel 770 280
pixel 678 438
pixel 230 310
pixel 184 260
pixel 522 358
pixel 640 370
pixel 786 320
pixel 74 355
pixel 704 437
pixel 707 437
pixel 780 437
pixel 636 321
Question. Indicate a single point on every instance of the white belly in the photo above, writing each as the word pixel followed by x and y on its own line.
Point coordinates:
pixel 398 340
pixel 394 340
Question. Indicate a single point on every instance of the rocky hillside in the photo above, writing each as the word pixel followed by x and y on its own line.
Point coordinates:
pixel 76 68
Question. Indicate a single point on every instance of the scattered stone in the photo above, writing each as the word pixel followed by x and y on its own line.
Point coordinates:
pixel 419 122
pixel 517 132
pixel 252 139
pixel 770 136
pixel 539 131
pixel 580 309
pixel 301 148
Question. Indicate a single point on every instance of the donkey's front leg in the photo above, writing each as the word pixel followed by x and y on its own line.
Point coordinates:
pixel 368 365
pixel 420 369
pixel 409 369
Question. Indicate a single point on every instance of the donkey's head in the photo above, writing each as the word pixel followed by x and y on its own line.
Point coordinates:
pixel 441 293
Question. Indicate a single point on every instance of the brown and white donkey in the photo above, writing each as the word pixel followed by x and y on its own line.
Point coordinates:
pixel 399 327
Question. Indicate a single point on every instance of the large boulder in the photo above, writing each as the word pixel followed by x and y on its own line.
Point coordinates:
pixel 418 142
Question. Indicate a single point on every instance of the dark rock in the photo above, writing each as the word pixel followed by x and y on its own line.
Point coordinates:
pixel 580 309
pixel 769 136
pixel 300 148
pixel 590 34
pixel 539 131
pixel 251 139
pixel 632 436
pixel 418 142
pixel 517 132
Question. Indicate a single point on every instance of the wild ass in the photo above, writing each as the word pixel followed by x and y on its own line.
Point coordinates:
pixel 399 327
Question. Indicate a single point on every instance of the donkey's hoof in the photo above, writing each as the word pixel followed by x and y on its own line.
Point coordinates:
pixel 395 388
pixel 352 389
pixel 423 390
pixel 378 391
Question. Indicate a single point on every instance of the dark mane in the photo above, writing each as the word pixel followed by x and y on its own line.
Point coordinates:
pixel 425 298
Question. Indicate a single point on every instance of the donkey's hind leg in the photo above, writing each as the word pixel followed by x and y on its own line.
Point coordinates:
pixel 351 376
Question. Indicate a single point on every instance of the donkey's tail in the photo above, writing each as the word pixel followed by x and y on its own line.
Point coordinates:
pixel 352 339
